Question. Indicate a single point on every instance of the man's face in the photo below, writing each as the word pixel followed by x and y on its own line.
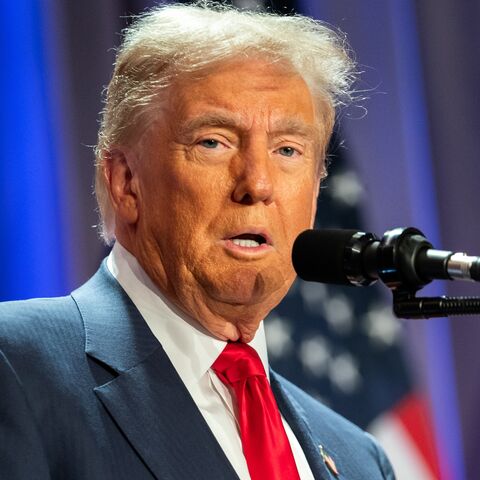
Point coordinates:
pixel 225 181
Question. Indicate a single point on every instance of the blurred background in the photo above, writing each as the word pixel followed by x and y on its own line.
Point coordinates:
pixel 405 155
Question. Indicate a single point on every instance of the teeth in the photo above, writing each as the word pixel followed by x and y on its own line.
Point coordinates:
pixel 241 242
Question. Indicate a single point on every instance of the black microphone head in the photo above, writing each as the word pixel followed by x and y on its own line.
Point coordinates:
pixel 319 255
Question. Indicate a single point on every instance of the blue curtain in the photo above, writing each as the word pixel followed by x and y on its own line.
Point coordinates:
pixel 32 240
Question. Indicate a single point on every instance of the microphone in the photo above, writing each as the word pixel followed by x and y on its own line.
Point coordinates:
pixel 402 258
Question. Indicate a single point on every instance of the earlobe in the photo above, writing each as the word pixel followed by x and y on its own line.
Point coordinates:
pixel 120 178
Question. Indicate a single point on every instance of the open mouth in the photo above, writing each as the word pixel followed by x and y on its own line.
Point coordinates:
pixel 249 240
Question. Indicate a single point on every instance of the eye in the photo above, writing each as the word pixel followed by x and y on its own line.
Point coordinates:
pixel 287 151
pixel 209 143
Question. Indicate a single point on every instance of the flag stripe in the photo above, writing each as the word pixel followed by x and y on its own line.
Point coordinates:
pixel 413 413
pixel 407 461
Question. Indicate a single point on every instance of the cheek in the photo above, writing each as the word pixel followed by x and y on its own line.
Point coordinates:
pixel 193 205
pixel 298 212
pixel 302 203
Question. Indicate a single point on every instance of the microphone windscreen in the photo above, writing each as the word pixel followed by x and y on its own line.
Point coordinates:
pixel 319 255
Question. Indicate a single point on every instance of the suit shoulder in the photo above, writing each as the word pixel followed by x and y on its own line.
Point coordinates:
pixel 36 309
pixel 37 321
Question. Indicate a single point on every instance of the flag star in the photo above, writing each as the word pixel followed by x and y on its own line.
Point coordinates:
pixel 343 373
pixel 346 188
pixel 279 336
pixel 339 314
pixel 314 354
pixel 381 326
pixel 313 296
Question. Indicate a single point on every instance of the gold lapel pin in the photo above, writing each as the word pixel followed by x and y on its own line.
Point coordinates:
pixel 328 461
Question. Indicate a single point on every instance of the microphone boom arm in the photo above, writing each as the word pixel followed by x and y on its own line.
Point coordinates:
pixel 407 305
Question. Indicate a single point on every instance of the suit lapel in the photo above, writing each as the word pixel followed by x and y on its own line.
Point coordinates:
pixel 147 399
pixel 162 422
pixel 294 415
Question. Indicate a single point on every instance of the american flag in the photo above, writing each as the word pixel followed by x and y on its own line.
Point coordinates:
pixel 344 346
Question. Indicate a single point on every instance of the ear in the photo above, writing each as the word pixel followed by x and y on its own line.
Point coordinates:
pixel 121 181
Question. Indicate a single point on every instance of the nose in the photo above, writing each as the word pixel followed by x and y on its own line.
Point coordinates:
pixel 253 177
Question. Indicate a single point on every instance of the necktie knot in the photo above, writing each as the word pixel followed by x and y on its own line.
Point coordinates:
pixel 237 362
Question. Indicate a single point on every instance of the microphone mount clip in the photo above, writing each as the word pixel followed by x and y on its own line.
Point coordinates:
pixel 398 256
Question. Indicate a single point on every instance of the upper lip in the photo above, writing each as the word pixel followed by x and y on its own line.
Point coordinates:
pixel 251 231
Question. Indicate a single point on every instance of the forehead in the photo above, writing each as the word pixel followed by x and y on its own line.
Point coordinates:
pixel 249 91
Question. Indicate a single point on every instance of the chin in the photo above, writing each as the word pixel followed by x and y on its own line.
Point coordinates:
pixel 243 331
pixel 249 285
pixel 239 299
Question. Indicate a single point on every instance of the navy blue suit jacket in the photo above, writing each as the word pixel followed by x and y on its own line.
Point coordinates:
pixel 87 392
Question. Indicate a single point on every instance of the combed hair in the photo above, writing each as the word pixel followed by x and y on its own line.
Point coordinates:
pixel 178 40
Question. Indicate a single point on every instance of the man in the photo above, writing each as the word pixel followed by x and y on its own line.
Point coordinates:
pixel 209 161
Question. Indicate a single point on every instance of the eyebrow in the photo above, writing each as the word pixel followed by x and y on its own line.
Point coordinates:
pixel 292 125
pixel 216 119
pixel 297 127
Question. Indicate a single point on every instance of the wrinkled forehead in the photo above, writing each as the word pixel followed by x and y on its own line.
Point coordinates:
pixel 241 91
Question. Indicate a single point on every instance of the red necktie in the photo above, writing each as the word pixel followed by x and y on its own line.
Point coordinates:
pixel 265 443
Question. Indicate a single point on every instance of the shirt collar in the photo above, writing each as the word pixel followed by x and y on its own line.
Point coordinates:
pixel 190 347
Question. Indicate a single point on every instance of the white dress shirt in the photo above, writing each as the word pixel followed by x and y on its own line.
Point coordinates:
pixel 192 351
